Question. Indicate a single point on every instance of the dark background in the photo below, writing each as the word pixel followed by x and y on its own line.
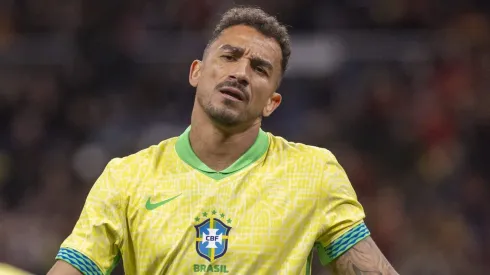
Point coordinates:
pixel 398 90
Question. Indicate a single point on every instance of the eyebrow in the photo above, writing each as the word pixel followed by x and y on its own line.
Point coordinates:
pixel 257 61
pixel 230 48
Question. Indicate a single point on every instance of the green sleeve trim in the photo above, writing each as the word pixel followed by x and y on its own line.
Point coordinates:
pixel 342 244
pixel 81 262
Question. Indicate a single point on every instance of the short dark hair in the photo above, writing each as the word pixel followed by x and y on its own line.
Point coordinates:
pixel 263 22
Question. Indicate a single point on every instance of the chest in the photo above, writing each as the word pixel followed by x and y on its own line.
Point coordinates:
pixel 246 215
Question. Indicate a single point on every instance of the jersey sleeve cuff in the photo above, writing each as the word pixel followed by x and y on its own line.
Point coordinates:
pixel 338 247
pixel 81 262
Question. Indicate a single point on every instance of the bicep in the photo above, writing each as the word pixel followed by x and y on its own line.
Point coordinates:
pixel 63 268
pixel 364 258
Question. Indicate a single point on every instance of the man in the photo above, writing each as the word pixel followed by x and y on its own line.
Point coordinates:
pixel 225 197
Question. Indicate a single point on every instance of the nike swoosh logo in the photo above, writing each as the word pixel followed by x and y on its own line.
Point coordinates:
pixel 152 206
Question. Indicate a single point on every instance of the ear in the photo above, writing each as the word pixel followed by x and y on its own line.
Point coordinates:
pixel 195 73
pixel 272 104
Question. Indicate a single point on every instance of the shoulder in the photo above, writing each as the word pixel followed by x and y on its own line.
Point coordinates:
pixel 143 159
pixel 283 147
pixel 319 164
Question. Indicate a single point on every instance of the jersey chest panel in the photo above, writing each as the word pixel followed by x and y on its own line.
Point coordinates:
pixel 261 218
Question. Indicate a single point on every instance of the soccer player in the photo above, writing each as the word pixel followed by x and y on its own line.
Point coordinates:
pixel 225 196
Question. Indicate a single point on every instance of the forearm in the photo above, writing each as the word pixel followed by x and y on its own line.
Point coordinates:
pixel 63 268
pixel 364 258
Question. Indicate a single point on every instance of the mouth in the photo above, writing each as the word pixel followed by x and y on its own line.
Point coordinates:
pixel 233 93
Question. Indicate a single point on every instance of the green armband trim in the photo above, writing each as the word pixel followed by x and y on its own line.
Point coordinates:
pixel 342 244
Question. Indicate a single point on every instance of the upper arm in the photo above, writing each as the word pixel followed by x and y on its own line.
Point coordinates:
pixel 343 214
pixel 93 246
pixel 346 245
pixel 363 258
pixel 63 268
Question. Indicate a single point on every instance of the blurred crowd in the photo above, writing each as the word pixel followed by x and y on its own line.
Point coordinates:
pixel 413 136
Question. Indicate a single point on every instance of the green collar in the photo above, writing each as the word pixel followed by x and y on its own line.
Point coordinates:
pixel 185 152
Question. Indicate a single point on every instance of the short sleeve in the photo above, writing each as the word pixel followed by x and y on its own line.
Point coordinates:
pixel 93 245
pixel 344 215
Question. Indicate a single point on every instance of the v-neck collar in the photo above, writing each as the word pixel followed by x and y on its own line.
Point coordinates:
pixel 185 152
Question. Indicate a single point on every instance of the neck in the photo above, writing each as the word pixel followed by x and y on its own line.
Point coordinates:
pixel 219 147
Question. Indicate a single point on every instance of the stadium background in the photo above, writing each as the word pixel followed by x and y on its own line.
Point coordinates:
pixel 397 89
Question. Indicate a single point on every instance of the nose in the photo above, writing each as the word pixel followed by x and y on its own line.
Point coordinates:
pixel 239 73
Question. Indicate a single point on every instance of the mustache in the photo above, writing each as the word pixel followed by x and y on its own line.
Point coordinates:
pixel 234 84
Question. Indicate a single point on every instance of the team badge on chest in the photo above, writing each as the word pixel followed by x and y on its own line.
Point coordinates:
pixel 212 235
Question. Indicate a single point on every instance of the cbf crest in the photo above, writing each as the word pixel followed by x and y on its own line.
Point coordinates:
pixel 212 235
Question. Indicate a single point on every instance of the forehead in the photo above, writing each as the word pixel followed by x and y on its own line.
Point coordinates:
pixel 253 41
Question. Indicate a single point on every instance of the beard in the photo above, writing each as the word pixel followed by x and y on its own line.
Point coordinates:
pixel 223 115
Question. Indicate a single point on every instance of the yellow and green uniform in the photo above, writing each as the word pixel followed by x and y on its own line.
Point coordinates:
pixel 163 211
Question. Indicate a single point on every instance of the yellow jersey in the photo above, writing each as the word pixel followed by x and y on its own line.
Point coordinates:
pixel 163 211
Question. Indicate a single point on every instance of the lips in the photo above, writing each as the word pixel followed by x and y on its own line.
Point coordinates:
pixel 233 92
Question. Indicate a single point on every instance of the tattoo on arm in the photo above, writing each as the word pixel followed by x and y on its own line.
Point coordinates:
pixel 364 258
